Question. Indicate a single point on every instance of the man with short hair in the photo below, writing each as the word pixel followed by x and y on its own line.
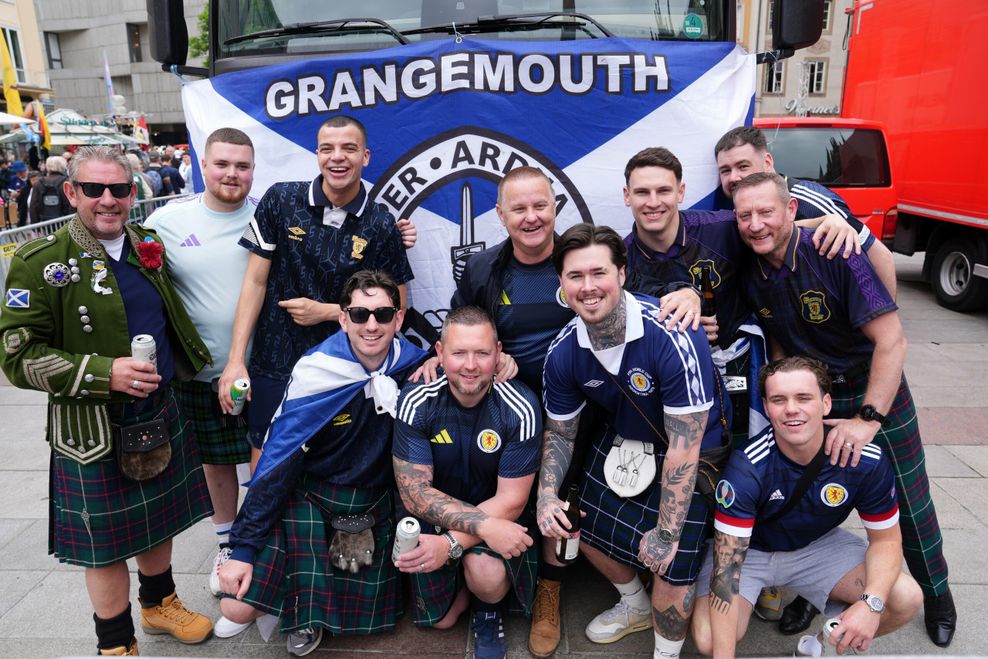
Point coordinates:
pixel 838 312
pixel 657 387
pixel 153 172
pixel 782 497
pixel 322 491
pixel 305 240
pixel 201 234
pixel 466 451
pixel 73 302
pixel 172 182
pixel 744 150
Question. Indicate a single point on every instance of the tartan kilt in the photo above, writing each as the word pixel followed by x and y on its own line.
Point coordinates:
pixel 293 577
pixel 218 444
pixel 435 591
pixel 615 525
pixel 98 517
pixel 899 438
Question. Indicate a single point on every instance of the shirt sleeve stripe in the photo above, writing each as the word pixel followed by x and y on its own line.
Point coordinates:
pixel 521 407
pixel 881 521
pixel 565 417
pixel 735 526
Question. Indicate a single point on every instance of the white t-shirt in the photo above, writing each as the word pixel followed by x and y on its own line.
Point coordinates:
pixel 207 265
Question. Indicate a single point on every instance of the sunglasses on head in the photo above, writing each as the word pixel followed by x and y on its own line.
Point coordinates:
pixel 361 315
pixel 95 190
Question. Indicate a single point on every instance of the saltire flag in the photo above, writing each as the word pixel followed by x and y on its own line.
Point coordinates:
pixel 43 127
pixel 447 120
pixel 10 93
pixel 325 379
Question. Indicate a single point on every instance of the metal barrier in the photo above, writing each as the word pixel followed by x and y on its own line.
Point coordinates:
pixel 11 239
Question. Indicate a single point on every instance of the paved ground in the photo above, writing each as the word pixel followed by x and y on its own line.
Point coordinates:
pixel 44 611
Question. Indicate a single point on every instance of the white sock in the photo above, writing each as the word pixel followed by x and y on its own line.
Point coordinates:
pixel 633 593
pixel 666 649
pixel 223 532
pixel 810 646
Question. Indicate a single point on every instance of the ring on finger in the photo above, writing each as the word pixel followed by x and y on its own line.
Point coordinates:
pixel 136 385
pixel 849 445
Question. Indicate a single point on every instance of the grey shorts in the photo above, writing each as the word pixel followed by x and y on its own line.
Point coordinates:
pixel 812 571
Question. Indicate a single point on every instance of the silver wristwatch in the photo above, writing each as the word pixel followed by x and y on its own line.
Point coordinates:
pixel 455 548
pixel 874 602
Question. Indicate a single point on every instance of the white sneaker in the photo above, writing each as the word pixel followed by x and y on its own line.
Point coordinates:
pixel 214 577
pixel 617 622
pixel 226 628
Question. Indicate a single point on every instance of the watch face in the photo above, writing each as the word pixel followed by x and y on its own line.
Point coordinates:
pixel 876 604
pixel 455 552
pixel 665 535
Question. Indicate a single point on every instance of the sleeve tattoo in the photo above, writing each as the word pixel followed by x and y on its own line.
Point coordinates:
pixel 678 479
pixel 557 451
pixel 425 501
pixel 729 553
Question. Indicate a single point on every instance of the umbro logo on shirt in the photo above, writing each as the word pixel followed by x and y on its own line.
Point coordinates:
pixel 777 496
pixel 190 241
pixel 593 384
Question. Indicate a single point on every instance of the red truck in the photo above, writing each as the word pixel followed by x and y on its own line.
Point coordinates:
pixel 915 70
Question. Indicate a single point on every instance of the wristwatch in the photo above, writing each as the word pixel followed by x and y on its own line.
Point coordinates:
pixel 874 602
pixel 869 413
pixel 455 549
pixel 666 536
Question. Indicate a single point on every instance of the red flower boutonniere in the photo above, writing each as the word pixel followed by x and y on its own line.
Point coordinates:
pixel 149 254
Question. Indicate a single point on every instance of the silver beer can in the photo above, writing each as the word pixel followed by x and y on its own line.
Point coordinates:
pixel 143 348
pixel 406 537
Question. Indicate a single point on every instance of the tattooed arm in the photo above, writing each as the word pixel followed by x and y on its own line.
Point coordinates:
pixel 729 553
pixel 685 432
pixel 426 502
pixel 557 451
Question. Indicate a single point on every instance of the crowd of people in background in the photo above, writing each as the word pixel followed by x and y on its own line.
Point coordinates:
pixel 31 186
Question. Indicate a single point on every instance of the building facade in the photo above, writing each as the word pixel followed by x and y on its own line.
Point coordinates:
pixel 20 30
pixel 84 38
pixel 807 84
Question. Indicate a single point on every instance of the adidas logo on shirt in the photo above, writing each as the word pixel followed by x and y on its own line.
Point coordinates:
pixel 442 438
pixel 776 496
pixel 190 241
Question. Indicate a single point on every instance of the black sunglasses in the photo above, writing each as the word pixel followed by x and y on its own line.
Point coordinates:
pixel 95 190
pixel 361 315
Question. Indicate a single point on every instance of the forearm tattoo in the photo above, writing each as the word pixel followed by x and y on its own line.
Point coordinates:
pixel 609 332
pixel 684 431
pixel 428 503
pixel 729 553
pixel 557 451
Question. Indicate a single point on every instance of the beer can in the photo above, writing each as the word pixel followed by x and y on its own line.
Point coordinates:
pixel 142 348
pixel 406 537
pixel 238 392
pixel 829 626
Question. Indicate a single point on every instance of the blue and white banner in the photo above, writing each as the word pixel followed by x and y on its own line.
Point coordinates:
pixel 446 120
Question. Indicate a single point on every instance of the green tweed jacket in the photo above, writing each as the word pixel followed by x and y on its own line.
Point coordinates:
pixel 63 323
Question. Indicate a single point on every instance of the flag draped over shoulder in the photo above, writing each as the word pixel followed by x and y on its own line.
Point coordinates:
pixel 324 380
pixel 10 92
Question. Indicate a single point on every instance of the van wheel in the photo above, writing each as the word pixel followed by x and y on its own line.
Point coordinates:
pixel 954 282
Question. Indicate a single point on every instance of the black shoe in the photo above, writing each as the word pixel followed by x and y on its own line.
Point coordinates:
pixel 941 618
pixel 797 617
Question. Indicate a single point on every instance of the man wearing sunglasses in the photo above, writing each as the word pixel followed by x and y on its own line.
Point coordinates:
pixel 73 302
pixel 327 465
pixel 305 240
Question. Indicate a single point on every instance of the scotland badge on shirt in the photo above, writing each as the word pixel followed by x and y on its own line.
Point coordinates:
pixel 18 298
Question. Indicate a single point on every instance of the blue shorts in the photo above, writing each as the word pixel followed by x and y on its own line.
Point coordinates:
pixel 265 397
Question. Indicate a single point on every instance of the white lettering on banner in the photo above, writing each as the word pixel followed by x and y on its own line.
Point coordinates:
pixel 503 73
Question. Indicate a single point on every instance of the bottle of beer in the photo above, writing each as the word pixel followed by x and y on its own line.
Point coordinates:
pixel 567 549
pixel 708 305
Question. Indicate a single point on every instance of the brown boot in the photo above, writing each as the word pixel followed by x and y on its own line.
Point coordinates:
pixel 543 638
pixel 121 650
pixel 171 617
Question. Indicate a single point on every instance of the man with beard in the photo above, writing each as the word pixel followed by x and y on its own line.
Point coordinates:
pixel 466 452
pixel 201 235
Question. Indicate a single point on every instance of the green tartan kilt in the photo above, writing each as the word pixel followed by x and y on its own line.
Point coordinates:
pixel 293 577
pixel 218 444
pixel 435 591
pixel 98 517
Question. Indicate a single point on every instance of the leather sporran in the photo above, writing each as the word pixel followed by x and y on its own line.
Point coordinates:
pixel 352 546
pixel 143 449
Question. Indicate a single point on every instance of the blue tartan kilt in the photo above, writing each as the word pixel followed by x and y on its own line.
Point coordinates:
pixel 615 525
pixel 294 579
pixel 98 517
